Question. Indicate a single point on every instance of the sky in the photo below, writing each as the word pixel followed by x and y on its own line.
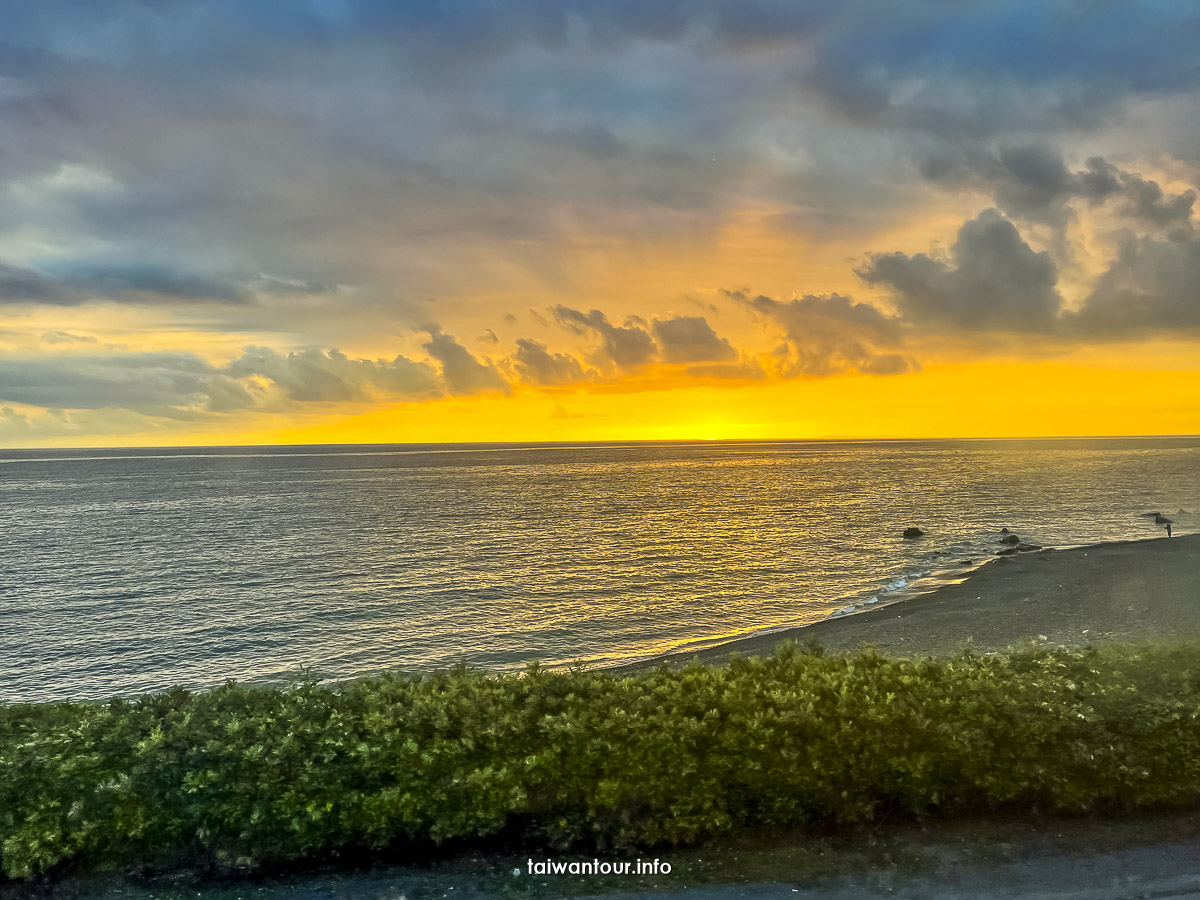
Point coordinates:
pixel 472 220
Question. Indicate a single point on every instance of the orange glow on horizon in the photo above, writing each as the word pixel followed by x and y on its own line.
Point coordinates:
pixel 980 400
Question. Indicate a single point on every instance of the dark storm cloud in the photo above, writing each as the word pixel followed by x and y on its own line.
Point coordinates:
pixel 536 364
pixel 992 280
pixel 621 347
pixel 461 371
pixel 690 339
pixel 829 335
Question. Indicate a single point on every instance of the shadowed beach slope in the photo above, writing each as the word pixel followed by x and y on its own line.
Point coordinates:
pixel 1130 590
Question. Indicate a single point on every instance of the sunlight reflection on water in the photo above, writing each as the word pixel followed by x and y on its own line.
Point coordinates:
pixel 127 571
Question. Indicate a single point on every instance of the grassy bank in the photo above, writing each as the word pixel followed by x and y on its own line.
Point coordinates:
pixel 250 776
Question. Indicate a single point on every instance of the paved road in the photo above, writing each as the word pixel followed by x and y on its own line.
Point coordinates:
pixel 1164 872
pixel 1148 857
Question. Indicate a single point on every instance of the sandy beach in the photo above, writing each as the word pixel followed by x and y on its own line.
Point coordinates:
pixel 1129 590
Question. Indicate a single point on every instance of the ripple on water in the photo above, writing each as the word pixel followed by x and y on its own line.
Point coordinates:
pixel 129 571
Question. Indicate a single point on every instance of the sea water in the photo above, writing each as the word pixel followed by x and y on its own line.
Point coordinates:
pixel 127 571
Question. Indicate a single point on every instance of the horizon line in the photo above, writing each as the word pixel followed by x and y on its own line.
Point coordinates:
pixel 602 442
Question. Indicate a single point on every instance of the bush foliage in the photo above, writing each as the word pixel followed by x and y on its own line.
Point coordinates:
pixel 591 758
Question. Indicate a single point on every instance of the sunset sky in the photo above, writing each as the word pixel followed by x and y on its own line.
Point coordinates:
pixel 337 221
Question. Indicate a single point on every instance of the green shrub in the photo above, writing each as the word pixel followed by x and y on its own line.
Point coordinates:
pixel 591 758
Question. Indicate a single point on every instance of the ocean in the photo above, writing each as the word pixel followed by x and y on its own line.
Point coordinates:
pixel 129 571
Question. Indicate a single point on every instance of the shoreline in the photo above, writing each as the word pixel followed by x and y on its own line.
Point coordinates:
pixel 1117 590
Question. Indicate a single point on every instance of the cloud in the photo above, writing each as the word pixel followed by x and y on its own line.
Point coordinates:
pixel 971 70
pixel 461 371
pixel 561 412
pixel 829 335
pixel 593 140
pixel 1035 183
pixel 19 285
pixel 13 421
pixel 621 347
pixel 1151 286
pixel 316 376
pixel 1147 201
pixel 538 365
pixel 50 423
pixel 65 337
pixel 1031 181
pixel 111 280
pixel 690 339
pixel 683 339
pixel 745 370
pixel 269 284
pixel 1098 180
pixel 74 284
pixel 993 281
pixel 184 386
pixel 169 385
pixel 319 170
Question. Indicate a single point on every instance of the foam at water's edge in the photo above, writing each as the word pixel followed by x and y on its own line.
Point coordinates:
pixel 896 591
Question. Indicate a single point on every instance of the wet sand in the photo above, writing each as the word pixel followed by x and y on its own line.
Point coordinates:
pixel 1129 590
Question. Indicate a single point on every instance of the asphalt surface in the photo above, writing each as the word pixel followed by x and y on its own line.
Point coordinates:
pixel 1160 872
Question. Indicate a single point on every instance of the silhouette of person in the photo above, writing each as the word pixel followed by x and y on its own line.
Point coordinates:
pixel 1168 529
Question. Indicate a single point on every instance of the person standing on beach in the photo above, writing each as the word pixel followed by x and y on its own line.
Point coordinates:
pixel 1168 529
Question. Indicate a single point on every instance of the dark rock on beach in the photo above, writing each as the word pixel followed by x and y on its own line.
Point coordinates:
pixel 1010 539
pixel 913 532
pixel 1026 548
